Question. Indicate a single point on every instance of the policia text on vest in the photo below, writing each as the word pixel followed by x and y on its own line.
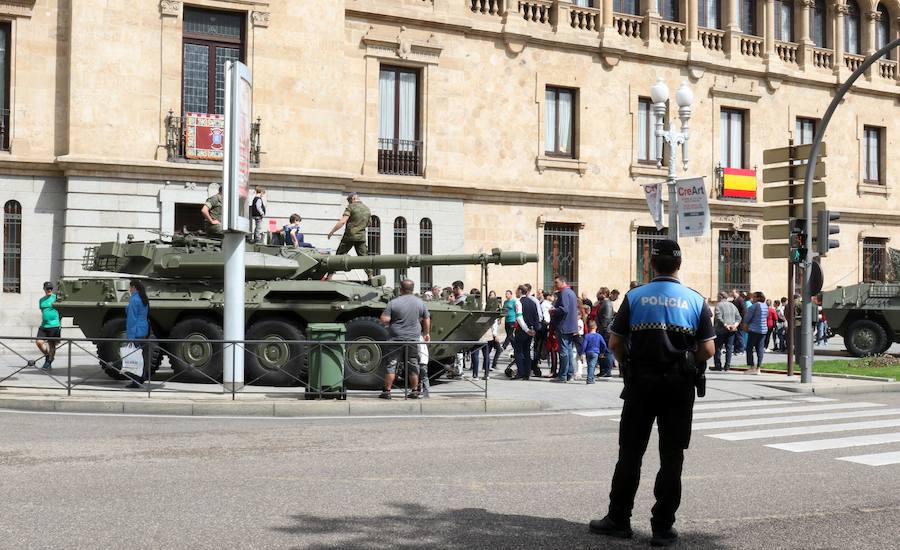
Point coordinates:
pixel 662 336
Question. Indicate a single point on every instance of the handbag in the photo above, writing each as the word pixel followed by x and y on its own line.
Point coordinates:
pixel 132 360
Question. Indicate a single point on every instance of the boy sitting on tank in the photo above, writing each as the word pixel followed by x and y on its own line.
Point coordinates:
pixel 292 234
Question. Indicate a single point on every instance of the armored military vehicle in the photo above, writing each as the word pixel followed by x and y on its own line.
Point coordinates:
pixel 867 315
pixel 286 290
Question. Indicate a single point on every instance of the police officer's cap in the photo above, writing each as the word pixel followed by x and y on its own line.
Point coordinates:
pixel 666 248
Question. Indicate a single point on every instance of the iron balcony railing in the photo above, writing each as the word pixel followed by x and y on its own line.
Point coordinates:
pixel 175 141
pixel 4 129
pixel 400 157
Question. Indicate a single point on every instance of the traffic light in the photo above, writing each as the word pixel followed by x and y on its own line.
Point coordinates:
pixel 798 241
pixel 825 230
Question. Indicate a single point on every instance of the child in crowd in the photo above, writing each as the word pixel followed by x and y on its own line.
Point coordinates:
pixel 592 348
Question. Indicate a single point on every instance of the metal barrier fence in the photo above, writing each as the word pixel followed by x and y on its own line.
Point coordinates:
pixel 96 365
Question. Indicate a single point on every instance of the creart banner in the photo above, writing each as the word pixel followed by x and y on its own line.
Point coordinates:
pixel 693 208
pixel 204 136
pixel 652 191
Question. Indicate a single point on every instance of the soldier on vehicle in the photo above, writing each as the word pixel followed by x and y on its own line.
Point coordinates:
pixel 662 335
pixel 212 215
pixel 355 220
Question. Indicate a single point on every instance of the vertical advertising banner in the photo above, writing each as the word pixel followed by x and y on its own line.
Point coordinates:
pixel 236 165
pixel 693 207
pixel 654 202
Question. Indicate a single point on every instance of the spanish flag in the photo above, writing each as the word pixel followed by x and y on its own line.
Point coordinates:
pixel 738 183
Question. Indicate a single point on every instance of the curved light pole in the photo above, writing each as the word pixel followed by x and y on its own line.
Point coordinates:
pixel 806 344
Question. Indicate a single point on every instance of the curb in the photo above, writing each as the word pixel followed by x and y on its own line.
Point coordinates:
pixel 291 409
pixel 838 390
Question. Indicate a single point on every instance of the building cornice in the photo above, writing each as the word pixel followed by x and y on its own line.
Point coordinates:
pixel 17 8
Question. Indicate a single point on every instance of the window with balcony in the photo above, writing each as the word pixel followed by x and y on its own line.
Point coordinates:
pixel 668 9
pixel 784 20
pixel 426 248
pixel 585 3
pixel 5 33
pixel 818 15
pixel 851 28
pixel 646 236
pixel 559 123
pixel 806 131
pixel 399 145
pixel 874 260
pixel 373 239
pixel 196 133
pixel 748 15
pixel 12 247
pixel 734 260
pixel 399 247
pixel 872 147
pixel 710 14
pixel 628 7
pixel 732 153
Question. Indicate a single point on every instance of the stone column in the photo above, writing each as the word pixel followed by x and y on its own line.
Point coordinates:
pixel 894 54
pixel 840 10
pixel 803 39
pixel 769 34
pixel 870 20
pixel 651 23
pixel 170 77
pixel 732 28
pixel 692 18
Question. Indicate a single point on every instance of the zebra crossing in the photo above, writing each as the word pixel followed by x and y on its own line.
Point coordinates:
pixel 801 425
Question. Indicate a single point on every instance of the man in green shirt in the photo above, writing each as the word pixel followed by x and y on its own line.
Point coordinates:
pixel 48 333
pixel 212 215
pixel 355 221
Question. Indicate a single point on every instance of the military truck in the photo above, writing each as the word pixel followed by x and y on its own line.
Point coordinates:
pixel 286 290
pixel 867 315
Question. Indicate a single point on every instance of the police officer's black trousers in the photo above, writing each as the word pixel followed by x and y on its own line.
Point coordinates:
pixel 668 399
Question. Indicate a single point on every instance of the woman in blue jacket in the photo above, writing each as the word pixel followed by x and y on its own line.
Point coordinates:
pixel 137 325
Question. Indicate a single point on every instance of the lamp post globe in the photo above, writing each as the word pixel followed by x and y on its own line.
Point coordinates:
pixel 684 97
pixel 659 92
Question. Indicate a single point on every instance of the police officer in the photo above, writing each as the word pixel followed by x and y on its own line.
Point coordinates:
pixel 660 335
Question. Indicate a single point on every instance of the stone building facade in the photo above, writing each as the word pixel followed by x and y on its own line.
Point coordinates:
pixel 469 124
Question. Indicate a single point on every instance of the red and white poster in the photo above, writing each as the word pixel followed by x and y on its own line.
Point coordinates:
pixel 204 136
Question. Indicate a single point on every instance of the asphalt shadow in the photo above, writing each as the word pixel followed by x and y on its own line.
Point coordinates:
pixel 416 526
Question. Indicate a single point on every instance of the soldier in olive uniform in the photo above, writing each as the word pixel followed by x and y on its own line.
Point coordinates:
pixel 212 215
pixel 355 221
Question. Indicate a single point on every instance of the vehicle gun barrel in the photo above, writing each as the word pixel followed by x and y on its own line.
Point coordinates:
pixel 331 264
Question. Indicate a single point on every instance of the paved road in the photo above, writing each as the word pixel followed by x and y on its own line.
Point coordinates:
pixel 466 482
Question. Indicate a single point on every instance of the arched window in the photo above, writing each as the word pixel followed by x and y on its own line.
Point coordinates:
pixel 426 248
pixel 748 17
pixel 883 29
pixel 399 247
pixel 668 9
pixel 710 14
pixel 851 28
pixel 12 247
pixel 628 7
pixel 373 239
pixel 784 20
pixel 817 24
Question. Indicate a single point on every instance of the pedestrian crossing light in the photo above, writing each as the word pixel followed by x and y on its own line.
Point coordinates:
pixel 798 241
pixel 825 230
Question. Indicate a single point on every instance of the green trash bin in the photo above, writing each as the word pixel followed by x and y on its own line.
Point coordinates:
pixel 326 361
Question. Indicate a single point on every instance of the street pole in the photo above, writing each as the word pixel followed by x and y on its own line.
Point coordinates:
pixel 673 138
pixel 809 310
pixel 233 246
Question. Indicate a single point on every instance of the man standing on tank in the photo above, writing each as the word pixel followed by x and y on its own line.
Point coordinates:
pixel 212 215
pixel 355 220
pixel 661 333
pixel 408 322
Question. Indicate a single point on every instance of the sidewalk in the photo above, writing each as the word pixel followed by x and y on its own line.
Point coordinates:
pixel 30 389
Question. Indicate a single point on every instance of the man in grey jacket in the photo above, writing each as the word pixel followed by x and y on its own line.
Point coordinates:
pixel 727 320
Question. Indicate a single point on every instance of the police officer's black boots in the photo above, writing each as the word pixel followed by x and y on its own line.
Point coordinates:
pixel 664 537
pixel 610 528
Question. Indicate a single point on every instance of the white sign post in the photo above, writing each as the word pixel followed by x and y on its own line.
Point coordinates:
pixel 654 202
pixel 236 186
pixel 693 207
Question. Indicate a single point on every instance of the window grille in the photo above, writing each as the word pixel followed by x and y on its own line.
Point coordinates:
pixel 561 253
pixel 734 261
pixel 426 248
pixel 874 263
pixel 399 247
pixel 12 247
pixel 373 238
pixel 646 236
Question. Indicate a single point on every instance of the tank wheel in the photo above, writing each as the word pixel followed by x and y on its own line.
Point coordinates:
pixel 196 360
pixel 865 337
pixel 276 362
pixel 108 352
pixel 364 367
